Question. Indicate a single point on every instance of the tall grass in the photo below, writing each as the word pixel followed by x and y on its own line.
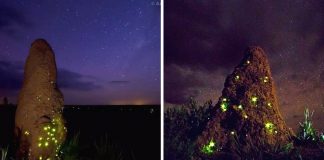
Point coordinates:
pixel 105 149
pixel 306 130
pixel 4 153
pixel 70 149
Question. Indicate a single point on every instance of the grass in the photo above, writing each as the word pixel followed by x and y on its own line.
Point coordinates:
pixel 102 149
pixel 105 149
pixel 306 130
pixel 4 152
pixel 183 124
pixel 70 149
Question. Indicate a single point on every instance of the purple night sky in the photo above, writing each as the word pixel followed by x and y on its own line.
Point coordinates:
pixel 107 52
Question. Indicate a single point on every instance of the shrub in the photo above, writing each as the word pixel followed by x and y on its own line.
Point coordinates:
pixel 182 125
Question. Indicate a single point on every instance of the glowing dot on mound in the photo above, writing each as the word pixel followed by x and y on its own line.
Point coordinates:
pixel 224 106
pixel 27 133
pixel 245 116
pixel 240 106
pixel 248 62
pixel 232 133
pixel 269 127
pixel 40 158
pixel 46 144
pixel 53 130
pixel 266 79
pixel 39 144
pixel 254 99
pixel 45 128
pixel 40 138
pixel 237 77
pixel 209 148
pixel 269 104
pixel 224 99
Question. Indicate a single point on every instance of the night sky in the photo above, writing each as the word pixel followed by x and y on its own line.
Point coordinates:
pixel 205 40
pixel 107 51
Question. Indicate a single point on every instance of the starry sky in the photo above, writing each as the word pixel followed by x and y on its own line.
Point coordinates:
pixel 107 51
pixel 205 40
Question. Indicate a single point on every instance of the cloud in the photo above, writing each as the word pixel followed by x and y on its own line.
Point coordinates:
pixel 214 34
pixel 74 81
pixel 11 78
pixel 182 83
pixel 119 82
pixel 11 20
pixel 11 75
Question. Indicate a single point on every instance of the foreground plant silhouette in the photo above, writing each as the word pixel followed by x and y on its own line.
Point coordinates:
pixel 184 123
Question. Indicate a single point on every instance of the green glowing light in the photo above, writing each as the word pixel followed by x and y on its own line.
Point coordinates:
pixel 322 137
pixel 53 130
pixel 254 99
pixel 209 148
pixel 40 138
pixel 39 144
pixel 224 106
pixel 46 144
pixel 240 106
pixel 269 104
pixel 40 158
pixel 224 99
pixel 269 127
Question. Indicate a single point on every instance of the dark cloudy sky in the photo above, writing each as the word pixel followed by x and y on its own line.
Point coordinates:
pixel 107 51
pixel 204 40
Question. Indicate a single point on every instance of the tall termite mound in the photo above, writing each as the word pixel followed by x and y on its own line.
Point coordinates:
pixel 247 111
pixel 39 125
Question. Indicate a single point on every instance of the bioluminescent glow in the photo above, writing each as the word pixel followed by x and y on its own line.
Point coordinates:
pixel 224 106
pixel 51 135
pixel 254 99
pixel 266 79
pixel 26 133
pixel 269 127
pixel 209 148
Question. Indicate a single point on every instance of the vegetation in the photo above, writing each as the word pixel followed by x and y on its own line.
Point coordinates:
pixel 70 149
pixel 306 130
pixel 183 124
pixel 4 152
pixel 105 149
